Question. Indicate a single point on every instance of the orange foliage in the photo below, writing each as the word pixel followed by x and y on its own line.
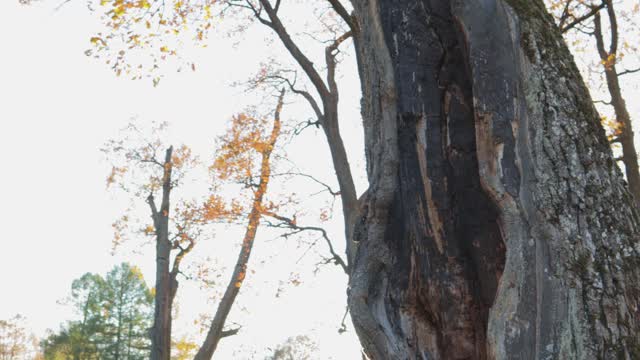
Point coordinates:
pixel 613 127
pixel 120 229
pixel 237 155
pixel 140 167
pixel 115 173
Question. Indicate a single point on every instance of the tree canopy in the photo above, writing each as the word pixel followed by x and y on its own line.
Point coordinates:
pixel 114 318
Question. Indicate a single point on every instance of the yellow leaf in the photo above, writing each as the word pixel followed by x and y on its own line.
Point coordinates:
pixel 149 229
pixel 119 11
pixel 164 49
pixel 95 40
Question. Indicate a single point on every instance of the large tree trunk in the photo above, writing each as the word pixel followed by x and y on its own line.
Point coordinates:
pixel 496 225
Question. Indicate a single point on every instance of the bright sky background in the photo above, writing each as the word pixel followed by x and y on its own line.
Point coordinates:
pixel 58 107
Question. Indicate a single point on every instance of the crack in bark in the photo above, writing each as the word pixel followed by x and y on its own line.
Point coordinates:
pixel 447 262
pixel 534 173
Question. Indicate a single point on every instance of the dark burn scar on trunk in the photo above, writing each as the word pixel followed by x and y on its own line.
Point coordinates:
pixel 443 228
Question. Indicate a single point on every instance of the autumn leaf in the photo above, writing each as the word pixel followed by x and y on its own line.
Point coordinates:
pixel 149 230
pixel 115 173
pixel 119 11
pixel 98 40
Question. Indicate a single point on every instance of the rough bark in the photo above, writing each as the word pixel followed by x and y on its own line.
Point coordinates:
pixel 496 225
pixel 216 332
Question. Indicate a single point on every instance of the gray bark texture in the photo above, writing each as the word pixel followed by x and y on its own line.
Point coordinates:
pixel 496 225
pixel 166 284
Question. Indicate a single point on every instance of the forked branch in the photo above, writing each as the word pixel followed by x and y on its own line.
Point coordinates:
pixel 289 223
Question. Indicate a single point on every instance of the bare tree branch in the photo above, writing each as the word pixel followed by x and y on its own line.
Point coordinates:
pixel 305 94
pixel 329 189
pixel 565 14
pixel 613 27
pixel 625 72
pixel 330 58
pixel 599 38
pixel 181 254
pixel 602 102
pixel 292 224
pixel 154 210
pixel 231 332
pixel 342 11
pixel 579 20
pixel 294 50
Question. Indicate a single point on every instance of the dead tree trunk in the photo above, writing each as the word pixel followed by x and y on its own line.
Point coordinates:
pixel 496 225
pixel 166 284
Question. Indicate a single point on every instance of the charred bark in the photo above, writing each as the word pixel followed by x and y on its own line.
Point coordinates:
pixel 496 225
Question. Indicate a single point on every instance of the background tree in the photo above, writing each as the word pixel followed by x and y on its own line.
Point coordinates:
pixel 245 154
pixel 128 305
pixel 295 348
pixel 612 39
pixel 115 316
pixel 88 298
pixel 15 341
pixel 68 343
pixel 140 167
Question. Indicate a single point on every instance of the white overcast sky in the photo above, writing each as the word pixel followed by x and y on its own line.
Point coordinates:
pixel 57 108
